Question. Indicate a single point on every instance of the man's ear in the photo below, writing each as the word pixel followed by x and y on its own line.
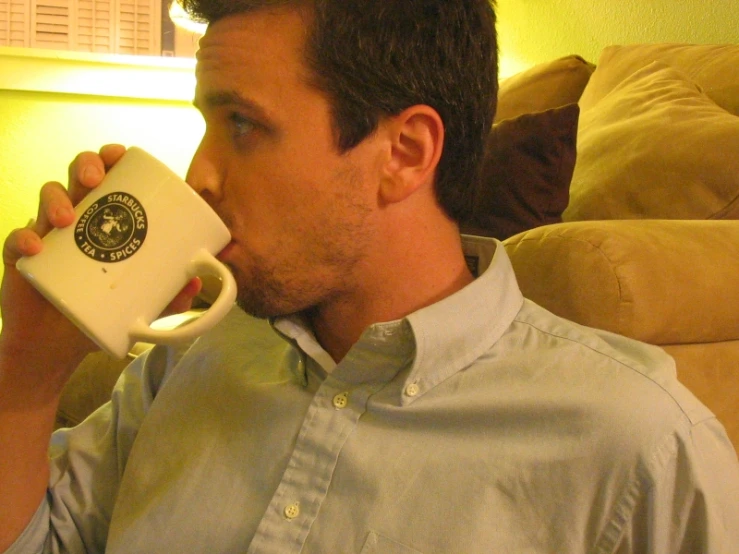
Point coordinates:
pixel 416 142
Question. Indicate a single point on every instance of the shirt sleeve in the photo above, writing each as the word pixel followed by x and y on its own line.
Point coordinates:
pixel 87 464
pixel 687 496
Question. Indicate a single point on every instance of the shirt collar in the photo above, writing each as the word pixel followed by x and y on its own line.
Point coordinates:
pixel 457 330
pixel 432 343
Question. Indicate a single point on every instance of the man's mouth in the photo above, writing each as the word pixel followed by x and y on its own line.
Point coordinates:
pixel 224 254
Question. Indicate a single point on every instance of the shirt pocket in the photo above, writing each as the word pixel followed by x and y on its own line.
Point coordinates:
pixel 377 544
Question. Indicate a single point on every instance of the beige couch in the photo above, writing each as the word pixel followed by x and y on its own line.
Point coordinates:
pixel 639 156
pixel 649 246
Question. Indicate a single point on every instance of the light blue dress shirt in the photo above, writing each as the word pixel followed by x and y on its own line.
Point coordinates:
pixel 480 424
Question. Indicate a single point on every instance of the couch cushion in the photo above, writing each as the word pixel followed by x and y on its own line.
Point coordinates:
pixel 544 86
pixel 526 173
pixel 710 372
pixel 712 67
pixel 659 281
pixel 656 147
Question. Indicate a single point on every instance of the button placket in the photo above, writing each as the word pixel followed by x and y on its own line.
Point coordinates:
pixel 331 418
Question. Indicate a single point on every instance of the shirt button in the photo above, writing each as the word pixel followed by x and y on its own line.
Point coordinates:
pixel 292 510
pixel 341 400
pixel 412 390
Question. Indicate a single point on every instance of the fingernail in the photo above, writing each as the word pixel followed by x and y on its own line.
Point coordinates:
pixel 30 244
pixel 91 174
pixel 64 213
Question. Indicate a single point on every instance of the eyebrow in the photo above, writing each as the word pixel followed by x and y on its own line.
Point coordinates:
pixel 218 99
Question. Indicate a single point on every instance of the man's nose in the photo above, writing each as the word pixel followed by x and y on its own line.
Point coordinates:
pixel 204 175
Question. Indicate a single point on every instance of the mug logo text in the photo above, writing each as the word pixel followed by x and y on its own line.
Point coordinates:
pixel 112 229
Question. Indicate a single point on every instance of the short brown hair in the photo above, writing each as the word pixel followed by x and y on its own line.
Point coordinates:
pixel 376 58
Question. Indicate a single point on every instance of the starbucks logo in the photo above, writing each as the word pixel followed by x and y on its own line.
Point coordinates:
pixel 112 229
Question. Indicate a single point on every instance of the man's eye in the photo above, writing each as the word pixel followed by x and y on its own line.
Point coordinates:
pixel 240 125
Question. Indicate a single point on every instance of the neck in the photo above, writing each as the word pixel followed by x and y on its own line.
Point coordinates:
pixel 400 279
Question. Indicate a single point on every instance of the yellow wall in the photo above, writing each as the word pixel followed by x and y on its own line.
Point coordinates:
pixel 533 31
pixel 45 120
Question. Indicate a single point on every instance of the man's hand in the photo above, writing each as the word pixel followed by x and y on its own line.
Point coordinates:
pixel 33 330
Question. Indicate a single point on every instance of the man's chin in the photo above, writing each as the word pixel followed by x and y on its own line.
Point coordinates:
pixel 263 296
pixel 260 306
pixel 252 306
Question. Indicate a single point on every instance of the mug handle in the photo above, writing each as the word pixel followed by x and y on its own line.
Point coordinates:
pixel 202 263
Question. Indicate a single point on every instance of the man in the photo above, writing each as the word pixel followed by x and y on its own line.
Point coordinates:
pixel 392 403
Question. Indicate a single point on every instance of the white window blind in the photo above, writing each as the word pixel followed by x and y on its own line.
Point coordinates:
pixel 136 27
pixel 51 22
pixel 14 23
pixel 116 26
pixel 95 26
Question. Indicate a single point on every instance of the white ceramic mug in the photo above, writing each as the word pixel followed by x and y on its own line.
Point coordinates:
pixel 137 239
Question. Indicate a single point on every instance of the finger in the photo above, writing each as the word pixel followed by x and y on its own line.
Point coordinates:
pixel 85 173
pixel 21 242
pixel 183 301
pixel 55 208
pixel 111 153
pixel 88 169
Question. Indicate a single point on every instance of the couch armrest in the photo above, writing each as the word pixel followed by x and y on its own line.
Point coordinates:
pixel 88 388
pixel 659 281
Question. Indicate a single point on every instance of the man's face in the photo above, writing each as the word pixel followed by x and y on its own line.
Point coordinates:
pixel 300 213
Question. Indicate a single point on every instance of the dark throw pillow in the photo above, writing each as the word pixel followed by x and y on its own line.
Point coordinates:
pixel 526 173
